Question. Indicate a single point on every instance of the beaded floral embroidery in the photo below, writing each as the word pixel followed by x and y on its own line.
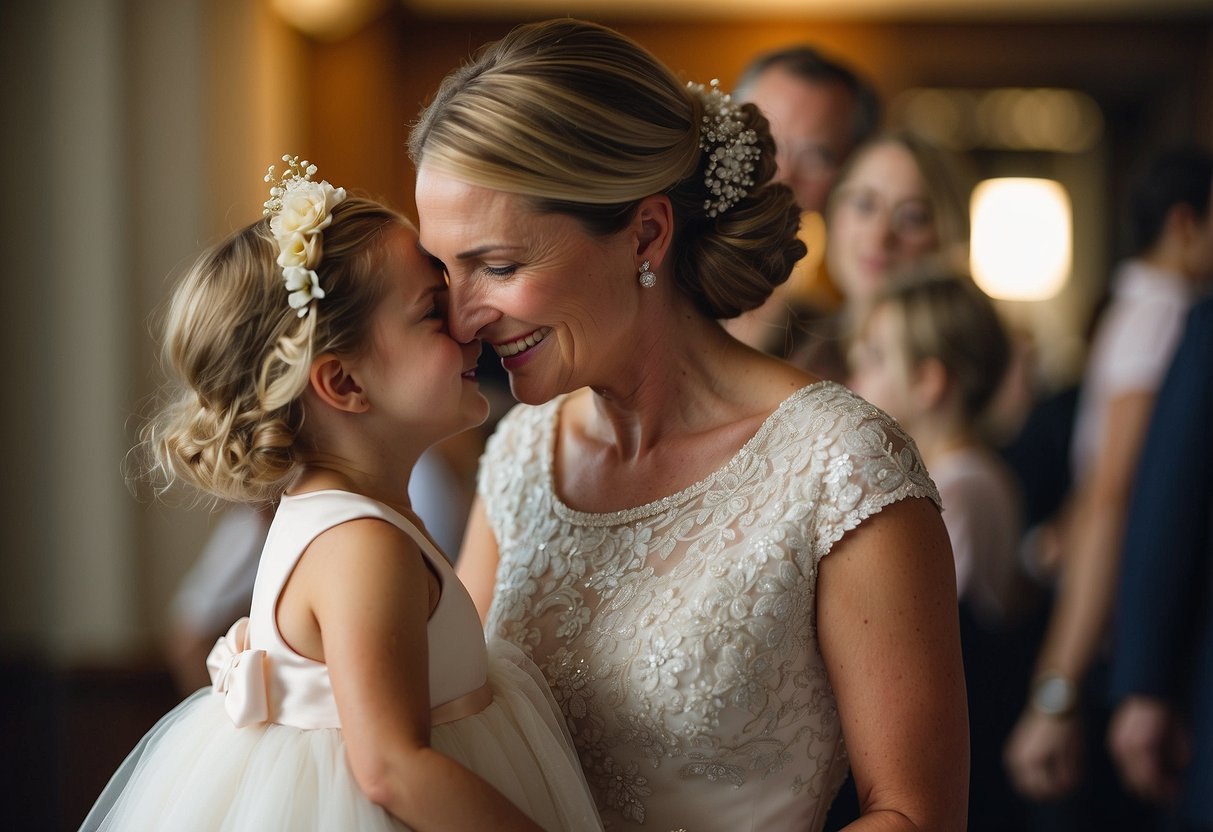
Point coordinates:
pixel 679 637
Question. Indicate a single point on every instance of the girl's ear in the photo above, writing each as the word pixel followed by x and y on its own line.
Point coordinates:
pixel 332 383
pixel 654 228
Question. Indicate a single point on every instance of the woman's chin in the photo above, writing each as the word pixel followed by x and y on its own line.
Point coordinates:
pixel 529 394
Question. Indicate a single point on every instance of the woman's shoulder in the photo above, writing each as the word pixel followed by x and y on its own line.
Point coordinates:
pixel 827 432
pixel 859 449
pixel 828 410
pixel 849 454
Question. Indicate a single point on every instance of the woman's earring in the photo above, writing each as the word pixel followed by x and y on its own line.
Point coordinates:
pixel 647 279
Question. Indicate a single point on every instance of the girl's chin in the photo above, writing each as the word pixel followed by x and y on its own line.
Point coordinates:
pixel 476 412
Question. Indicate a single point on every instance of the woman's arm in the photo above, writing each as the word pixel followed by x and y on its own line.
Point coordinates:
pixel 889 632
pixel 371 593
pixel 477 565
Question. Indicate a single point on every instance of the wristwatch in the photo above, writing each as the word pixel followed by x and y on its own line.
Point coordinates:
pixel 1054 695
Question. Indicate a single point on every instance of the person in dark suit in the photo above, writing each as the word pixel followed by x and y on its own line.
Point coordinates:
pixel 1161 735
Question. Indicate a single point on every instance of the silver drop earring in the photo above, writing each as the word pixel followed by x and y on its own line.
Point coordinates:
pixel 647 279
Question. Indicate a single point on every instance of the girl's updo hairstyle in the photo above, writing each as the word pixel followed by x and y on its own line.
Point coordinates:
pixel 238 355
pixel 585 122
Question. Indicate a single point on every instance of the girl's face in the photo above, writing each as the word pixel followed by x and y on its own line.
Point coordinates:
pixel 554 301
pixel 880 219
pixel 412 370
pixel 880 368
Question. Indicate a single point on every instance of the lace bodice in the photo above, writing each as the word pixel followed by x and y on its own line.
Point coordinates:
pixel 679 637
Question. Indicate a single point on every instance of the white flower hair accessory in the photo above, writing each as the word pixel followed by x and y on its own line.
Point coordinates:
pixel 732 149
pixel 301 209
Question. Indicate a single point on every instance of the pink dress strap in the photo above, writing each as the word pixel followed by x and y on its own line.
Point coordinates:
pixel 469 704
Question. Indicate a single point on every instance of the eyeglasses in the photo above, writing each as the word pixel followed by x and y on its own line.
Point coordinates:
pixel 910 217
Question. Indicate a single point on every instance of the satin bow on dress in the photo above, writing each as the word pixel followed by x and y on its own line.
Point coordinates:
pixel 238 674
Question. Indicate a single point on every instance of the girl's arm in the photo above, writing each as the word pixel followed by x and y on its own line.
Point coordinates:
pixel 889 633
pixel 477 565
pixel 371 593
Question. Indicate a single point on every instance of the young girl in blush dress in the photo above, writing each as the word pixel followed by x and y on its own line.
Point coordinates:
pixel 315 366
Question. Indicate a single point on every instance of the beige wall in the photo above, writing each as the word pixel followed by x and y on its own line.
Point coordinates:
pixel 136 133
pixel 69 581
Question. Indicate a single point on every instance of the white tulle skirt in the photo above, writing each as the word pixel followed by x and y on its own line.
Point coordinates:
pixel 196 771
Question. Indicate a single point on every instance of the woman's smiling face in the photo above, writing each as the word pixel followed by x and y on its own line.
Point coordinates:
pixel 552 299
pixel 881 219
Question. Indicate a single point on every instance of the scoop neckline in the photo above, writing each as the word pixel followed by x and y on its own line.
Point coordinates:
pixel 624 516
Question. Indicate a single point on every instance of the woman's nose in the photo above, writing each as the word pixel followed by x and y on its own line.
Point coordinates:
pixel 467 313
pixel 884 228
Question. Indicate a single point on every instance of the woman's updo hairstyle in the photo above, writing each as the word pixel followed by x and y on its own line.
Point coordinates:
pixel 585 122
pixel 238 355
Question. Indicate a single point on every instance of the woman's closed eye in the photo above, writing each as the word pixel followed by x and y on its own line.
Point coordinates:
pixel 498 271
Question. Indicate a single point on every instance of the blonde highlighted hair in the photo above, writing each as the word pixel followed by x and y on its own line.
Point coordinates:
pixel 583 121
pixel 945 316
pixel 238 355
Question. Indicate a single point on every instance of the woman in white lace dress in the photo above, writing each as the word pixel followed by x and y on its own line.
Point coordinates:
pixel 734 577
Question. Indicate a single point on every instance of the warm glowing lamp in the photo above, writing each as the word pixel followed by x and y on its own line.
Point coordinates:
pixel 328 19
pixel 1021 246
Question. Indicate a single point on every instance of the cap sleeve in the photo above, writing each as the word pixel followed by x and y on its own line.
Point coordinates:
pixel 870 463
